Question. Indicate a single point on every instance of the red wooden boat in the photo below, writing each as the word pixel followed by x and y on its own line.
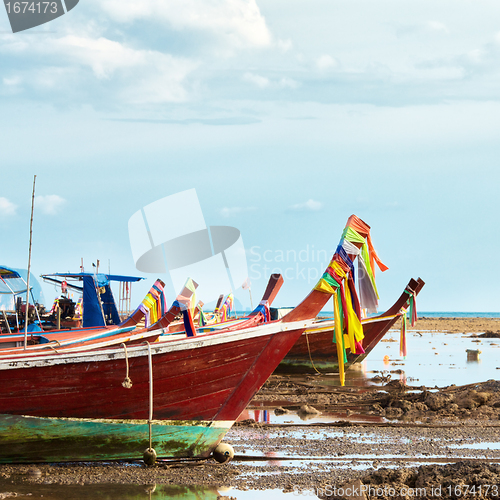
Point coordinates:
pixel 94 404
pixel 77 406
pixel 315 350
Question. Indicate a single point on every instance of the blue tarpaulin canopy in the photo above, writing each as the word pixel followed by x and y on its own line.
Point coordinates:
pixel 99 307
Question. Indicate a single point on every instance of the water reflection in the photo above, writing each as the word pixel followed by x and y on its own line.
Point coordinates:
pixel 132 492
pixel 108 491
pixel 434 359
pixel 275 416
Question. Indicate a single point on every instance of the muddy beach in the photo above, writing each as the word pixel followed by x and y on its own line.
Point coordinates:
pixel 459 325
pixel 400 437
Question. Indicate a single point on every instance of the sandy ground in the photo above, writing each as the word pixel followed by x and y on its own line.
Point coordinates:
pixel 463 325
pixel 412 437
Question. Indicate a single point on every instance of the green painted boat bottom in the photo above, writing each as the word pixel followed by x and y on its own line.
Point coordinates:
pixel 25 439
pixel 304 366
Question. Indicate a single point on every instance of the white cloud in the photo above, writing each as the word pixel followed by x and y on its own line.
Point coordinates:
pixel 258 80
pixel 284 45
pixel 420 28
pixel 309 205
pixel 231 211
pixel 289 83
pixel 239 21
pixel 139 76
pixel 263 82
pixel 7 207
pixel 437 26
pixel 12 81
pixel 325 62
pixel 49 204
pixel 102 55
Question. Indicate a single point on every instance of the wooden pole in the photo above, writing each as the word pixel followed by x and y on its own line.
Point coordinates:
pixel 29 268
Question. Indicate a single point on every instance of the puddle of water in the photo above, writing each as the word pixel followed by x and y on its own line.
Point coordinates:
pixel 294 418
pixel 476 446
pixel 109 491
pixel 134 492
pixel 435 358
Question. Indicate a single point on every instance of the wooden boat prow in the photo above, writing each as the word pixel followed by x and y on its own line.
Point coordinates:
pixel 315 349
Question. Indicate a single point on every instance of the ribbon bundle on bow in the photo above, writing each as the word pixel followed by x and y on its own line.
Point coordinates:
pixel 339 281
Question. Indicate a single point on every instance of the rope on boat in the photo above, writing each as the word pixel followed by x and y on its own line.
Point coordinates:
pixel 127 383
pixel 150 362
pixel 55 341
pixel 150 454
pixel 310 357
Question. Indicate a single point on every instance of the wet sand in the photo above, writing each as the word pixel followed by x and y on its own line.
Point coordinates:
pixel 405 437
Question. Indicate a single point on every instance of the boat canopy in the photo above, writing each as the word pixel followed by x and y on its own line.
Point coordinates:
pixel 99 306
pixel 11 281
pixel 13 284
pixel 101 279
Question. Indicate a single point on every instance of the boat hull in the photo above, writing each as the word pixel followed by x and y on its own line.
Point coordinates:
pixel 32 439
pixel 315 350
pixel 212 377
pixel 317 344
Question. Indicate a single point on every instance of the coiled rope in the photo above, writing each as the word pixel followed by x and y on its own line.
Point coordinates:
pixel 127 383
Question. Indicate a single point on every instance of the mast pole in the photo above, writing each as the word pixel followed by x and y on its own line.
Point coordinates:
pixel 29 269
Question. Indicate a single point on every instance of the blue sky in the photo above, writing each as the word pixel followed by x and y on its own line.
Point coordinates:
pixel 287 117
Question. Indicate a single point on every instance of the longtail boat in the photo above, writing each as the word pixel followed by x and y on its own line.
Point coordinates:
pixel 151 309
pixel 315 350
pixel 94 405
pixel 261 314
pixel 97 404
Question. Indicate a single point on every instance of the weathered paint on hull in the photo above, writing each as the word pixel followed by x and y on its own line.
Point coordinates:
pixel 200 378
pixel 33 439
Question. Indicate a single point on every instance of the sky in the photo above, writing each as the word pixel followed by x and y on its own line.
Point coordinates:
pixel 285 116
